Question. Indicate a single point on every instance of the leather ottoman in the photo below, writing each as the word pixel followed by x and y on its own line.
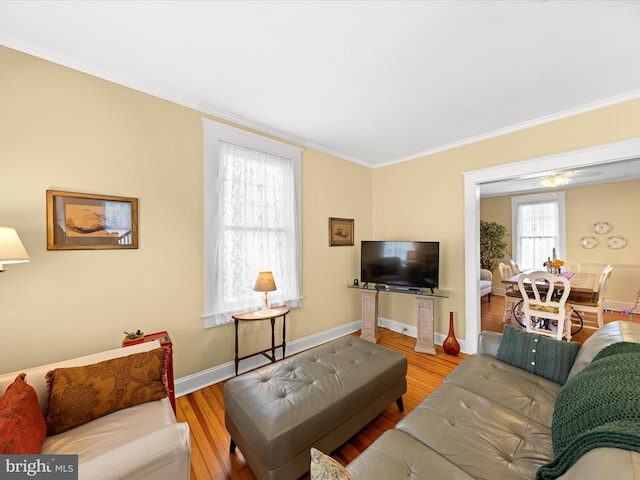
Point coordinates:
pixel 319 398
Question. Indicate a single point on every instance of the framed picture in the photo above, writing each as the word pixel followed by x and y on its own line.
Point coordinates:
pixel 83 221
pixel 340 232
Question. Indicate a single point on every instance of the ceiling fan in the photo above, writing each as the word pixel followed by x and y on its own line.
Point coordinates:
pixel 563 178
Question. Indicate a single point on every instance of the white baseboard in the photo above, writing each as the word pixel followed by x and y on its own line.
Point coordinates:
pixel 196 381
pixel 412 331
pixel 217 374
pixel 620 306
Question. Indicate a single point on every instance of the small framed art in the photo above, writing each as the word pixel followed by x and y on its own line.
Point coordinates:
pixel 340 232
pixel 84 221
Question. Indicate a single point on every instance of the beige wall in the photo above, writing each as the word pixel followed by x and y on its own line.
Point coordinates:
pixel 423 198
pixel 65 130
pixel 61 129
pixel 614 203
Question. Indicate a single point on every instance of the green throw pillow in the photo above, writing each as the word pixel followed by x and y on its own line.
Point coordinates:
pixel 544 356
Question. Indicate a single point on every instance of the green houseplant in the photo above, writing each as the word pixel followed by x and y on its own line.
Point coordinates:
pixel 493 244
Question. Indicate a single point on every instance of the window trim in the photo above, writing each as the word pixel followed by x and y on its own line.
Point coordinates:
pixel 214 132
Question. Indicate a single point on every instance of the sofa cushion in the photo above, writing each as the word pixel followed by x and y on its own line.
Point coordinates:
pixel 544 356
pixel 323 467
pixel 106 433
pixel 602 463
pixel 620 331
pixel 511 387
pixel 78 395
pixel 598 407
pixel 398 456
pixel 22 427
pixel 481 437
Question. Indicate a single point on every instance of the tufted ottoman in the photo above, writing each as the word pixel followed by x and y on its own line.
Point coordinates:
pixel 318 398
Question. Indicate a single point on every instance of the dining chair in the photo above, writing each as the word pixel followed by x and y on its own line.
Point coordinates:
pixel 572 267
pixel 546 304
pixel 514 267
pixel 593 302
pixel 512 295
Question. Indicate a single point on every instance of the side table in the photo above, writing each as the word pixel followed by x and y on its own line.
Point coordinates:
pixel 253 316
pixel 165 342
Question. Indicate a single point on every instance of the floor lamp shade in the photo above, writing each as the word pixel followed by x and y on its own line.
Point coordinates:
pixel 11 248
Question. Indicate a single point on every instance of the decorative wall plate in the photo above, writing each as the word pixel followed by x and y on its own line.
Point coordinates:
pixel 588 242
pixel 616 242
pixel 601 228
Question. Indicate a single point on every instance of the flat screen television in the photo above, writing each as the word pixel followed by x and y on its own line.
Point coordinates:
pixel 400 264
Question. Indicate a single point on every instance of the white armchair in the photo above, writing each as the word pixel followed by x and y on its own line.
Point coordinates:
pixel 486 279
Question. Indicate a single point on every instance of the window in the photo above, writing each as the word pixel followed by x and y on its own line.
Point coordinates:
pixel 252 221
pixel 397 249
pixel 538 227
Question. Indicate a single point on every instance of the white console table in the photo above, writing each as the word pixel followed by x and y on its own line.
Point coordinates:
pixel 424 312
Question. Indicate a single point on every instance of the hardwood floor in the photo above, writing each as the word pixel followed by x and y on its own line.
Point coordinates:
pixel 204 409
pixel 491 319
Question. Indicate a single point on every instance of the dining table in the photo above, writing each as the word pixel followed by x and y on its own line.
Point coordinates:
pixel 578 282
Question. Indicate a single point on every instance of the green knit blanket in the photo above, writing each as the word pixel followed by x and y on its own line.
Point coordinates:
pixel 598 407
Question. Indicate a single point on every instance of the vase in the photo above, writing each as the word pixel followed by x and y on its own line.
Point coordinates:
pixel 450 344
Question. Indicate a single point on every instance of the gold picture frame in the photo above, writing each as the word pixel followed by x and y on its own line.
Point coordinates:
pixel 340 232
pixel 84 221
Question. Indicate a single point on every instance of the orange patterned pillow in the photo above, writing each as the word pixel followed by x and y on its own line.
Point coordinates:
pixel 78 395
pixel 22 427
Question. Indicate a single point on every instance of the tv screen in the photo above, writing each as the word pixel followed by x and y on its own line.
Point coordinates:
pixel 402 264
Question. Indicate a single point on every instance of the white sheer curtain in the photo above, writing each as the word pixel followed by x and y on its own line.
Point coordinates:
pixel 254 225
pixel 539 228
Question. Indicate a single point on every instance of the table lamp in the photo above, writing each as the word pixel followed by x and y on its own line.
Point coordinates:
pixel 265 283
pixel 11 248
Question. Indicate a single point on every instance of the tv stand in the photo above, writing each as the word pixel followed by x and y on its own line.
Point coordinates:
pixel 424 310
pixel 398 288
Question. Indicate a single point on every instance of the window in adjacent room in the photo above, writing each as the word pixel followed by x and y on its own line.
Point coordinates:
pixel 252 221
pixel 539 226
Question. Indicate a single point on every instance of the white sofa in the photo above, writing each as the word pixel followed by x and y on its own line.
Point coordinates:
pixel 486 278
pixel 140 442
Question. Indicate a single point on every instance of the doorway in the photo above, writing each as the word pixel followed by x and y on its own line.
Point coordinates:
pixel 601 154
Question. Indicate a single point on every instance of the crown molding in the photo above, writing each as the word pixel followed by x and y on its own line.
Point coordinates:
pixel 262 128
pixel 154 90
pixel 632 95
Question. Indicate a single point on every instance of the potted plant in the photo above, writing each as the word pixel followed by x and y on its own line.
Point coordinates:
pixel 493 244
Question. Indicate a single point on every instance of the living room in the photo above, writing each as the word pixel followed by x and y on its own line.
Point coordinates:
pixel 72 131
pixel 64 129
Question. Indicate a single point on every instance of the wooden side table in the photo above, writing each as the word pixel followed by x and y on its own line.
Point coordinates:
pixel 253 316
pixel 165 342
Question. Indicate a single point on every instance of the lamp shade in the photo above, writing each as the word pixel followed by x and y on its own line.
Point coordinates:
pixel 11 248
pixel 265 282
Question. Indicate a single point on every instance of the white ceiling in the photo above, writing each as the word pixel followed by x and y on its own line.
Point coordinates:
pixel 374 82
